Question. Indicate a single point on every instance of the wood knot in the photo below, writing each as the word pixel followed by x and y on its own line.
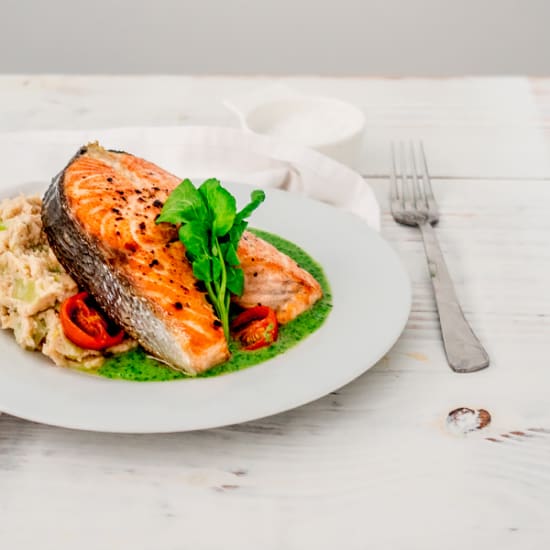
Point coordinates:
pixel 464 420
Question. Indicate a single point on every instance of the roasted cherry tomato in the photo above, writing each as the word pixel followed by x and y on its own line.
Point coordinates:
pixel 256 327
pixel 85 326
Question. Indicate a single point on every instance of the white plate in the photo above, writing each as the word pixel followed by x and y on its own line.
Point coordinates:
pixel 371 303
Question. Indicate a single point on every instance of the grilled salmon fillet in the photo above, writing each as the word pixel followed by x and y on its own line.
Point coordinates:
pixel 273 279
pixel 99 215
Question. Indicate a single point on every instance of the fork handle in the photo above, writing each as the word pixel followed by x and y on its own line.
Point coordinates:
pixel 464 351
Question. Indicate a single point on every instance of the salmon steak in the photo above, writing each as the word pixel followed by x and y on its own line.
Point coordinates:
pixel 273 279
pixel 99 215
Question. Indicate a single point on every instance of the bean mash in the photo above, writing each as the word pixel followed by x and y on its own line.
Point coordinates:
pixel 32 286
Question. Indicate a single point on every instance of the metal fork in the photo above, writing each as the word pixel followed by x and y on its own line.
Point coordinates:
pixel 413 203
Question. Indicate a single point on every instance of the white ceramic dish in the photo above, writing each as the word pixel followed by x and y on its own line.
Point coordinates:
pixel 371 303
pixel 330 126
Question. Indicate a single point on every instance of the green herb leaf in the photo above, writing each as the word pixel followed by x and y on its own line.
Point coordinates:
pixel 184 204
pixel 210 229
pixel 230 254
pixel 202 269
pixel 194 236
pixel 256 198
pixel 237 232
pixel 221 204
pixel 216 268
pixel 235 280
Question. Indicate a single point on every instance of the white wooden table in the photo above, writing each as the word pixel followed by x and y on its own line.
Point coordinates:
pixel 371 465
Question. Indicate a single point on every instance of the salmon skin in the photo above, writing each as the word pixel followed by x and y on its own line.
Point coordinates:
pixel 99 216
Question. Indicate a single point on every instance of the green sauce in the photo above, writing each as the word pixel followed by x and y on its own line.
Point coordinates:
pixel 137 365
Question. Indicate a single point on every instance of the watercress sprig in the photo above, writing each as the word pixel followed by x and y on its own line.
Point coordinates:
pixel 210 228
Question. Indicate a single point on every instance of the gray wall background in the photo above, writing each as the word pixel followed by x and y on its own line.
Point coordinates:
pixel 326 37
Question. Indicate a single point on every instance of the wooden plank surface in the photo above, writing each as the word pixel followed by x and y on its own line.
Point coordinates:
pixel 374 464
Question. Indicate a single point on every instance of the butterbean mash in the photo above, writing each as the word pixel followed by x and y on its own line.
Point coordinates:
pixel 32 286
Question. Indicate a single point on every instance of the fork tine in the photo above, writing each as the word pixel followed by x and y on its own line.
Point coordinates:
pixel 405 190
pixel 417 192
pixel 425 176
pixel 394 191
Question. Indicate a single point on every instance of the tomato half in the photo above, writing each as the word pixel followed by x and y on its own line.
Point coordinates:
pixel 85 326
pixel 256 327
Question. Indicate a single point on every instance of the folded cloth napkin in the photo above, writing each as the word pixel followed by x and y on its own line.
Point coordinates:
pixel 197 153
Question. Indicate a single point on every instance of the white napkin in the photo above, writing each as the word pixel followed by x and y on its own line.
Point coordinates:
pixel 198 153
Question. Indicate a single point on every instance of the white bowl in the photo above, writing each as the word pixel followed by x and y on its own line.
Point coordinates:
pixel 332 127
